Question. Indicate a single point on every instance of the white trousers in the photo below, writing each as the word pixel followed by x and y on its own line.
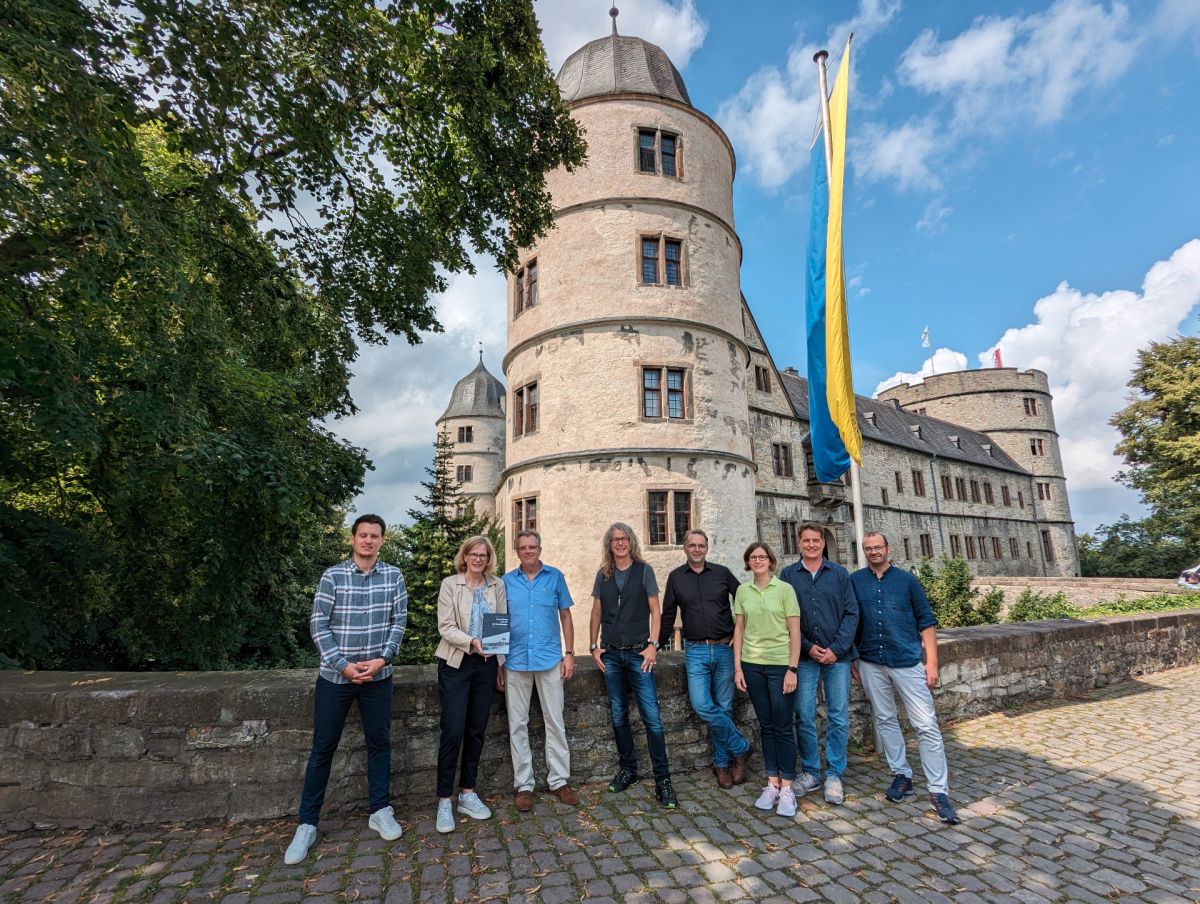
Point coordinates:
pixel 881 684
pixel 518 691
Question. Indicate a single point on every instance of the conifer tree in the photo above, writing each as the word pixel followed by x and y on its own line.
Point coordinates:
pixel 425 549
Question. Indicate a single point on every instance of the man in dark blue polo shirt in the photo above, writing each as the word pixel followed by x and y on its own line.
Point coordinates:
pixel 703 592
pixel 896 628
pixel 828 622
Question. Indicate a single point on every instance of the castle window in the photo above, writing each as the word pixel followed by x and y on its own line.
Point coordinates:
pixel 524 514
pixel 1014 549
pixel 1043 488
pixel 464 473
pixel 787 531
pixel 526 287
pixel 883 493
pixel 975 497
pixel 899 483
pixel 1021 503
pixel 907 550
pixel 781 459
pixel 1028 550
pixel 960 484
pixel 657 152
pixel 996 550
pixel 988 496
pixel 947 487
pixel 762 378
pixel 1047 546
pixel 1005 495
pixel 926 546
pixel 466 434
pixel 662 261
pixel 970 547
pixel 656 380
pixel 525 409
pixel 669 511
pixel 1037 446
pixel 1031 407
pixel 955 546
pixel 983 550
pixel 918 483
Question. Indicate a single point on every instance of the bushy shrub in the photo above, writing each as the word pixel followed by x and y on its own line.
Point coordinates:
pixel 1034 606
pixel 957 604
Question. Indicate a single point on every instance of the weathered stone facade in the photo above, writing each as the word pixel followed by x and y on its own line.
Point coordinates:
pixel 146 747
pixel 593 347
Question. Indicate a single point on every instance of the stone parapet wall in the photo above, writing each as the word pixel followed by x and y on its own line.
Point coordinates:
pixel 82 748
pixel 1081 592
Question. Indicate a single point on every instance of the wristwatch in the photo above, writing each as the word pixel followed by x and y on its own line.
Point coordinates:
pixel 593 648
pixel 569 653
pixel 794 669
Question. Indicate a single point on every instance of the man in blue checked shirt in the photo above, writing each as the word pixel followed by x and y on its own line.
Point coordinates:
pixel 358 618
pixel 897 654
pixel 539 604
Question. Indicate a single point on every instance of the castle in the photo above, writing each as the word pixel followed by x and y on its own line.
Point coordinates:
pixel 641 390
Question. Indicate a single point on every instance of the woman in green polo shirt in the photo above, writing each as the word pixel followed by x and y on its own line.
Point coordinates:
pixel 766 648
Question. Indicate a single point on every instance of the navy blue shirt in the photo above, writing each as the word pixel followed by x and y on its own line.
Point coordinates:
pixel 895 610
pixel 828 607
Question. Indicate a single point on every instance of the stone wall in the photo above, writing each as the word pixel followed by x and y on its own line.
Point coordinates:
pixel 81 748
pixel 1081 592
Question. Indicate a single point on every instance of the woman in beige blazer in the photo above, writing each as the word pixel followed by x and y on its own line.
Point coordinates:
pixel 467 678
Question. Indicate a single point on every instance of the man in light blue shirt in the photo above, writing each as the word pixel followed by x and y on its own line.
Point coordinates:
pixel 539 604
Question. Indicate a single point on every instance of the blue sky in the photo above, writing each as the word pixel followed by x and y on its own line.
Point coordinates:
pixel 1021 175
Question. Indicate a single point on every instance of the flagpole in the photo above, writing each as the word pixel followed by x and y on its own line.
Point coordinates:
pixel 855 475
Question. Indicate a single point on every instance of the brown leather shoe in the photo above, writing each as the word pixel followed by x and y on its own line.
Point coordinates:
pixel 524 801
pixel 737 769
pixel 724 778
pixel 566 795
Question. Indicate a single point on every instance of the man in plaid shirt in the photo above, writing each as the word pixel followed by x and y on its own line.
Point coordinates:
pixel 358 618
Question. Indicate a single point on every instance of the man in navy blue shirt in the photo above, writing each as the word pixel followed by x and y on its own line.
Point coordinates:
pixel 897 650
pixel 828 622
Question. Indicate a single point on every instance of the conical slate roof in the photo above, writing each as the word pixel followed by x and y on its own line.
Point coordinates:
pixel 620 65
pixel 478 394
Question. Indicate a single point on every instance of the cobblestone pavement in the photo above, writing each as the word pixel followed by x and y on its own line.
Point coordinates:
pixel 1093 799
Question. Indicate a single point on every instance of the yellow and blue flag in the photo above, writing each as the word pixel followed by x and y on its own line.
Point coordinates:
pixel 833 423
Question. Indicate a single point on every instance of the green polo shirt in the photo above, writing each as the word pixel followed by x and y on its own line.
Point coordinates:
pixel 766 641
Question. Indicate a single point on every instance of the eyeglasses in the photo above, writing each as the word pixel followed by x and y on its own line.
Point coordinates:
pixel 874 548
pixel 695 546
pixel 478 555
pixel 619 540
pixel 528 548
pixel 760 558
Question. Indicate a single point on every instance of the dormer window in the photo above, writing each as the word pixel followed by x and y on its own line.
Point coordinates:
pixel 869 416
pixel 915 430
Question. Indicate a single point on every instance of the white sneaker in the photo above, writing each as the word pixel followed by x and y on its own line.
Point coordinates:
pixel 834 793
pixel 384 822
pixel 804 783
pixel 470 804
pixel 787 803
pixel 301 842
pixel 445 816
pixel 768 798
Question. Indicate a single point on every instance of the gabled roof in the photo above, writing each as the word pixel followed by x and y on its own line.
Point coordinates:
pixel 895 427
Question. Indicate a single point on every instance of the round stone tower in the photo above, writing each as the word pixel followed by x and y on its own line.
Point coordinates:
pixel 626 362
pixel 474 420
pixel 1015 409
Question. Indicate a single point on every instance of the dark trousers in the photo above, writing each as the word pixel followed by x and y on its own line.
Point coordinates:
pixel 331 705
pixel 774 709
pixel 622 673
pixel 466 695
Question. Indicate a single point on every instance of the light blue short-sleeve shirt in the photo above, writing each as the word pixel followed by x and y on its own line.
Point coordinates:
pixel 535 641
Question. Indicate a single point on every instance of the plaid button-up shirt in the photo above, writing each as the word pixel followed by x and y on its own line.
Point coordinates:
pixel 358 616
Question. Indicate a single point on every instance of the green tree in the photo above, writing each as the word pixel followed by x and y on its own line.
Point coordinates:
pixel 202 207
pixel 1147 548
pixel 425 549
pixel 955 603
pixel 1160 430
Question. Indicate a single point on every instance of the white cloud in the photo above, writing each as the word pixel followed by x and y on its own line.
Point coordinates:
pixel 401 390
pixel 1000 71
pixel 1087 343
pixel 904 154
pixel 771 119
pixel 674 25
pixel 933 220
pixel 943 361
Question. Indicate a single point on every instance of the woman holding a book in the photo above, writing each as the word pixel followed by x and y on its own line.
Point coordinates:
pixel 468 675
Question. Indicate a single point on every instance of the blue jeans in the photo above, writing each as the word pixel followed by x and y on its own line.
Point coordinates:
pixel 710 688
pixel 836 680
pixel 764 684
pixel 880 682
pixel 623 672
pixel 331 705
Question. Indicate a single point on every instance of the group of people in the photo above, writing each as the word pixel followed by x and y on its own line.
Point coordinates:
pixel 777 637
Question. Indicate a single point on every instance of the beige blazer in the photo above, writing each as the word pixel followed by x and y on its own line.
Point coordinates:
pixel 454 615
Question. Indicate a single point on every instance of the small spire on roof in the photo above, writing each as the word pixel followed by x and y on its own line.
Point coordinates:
pixel 480 351
pixel 614 12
